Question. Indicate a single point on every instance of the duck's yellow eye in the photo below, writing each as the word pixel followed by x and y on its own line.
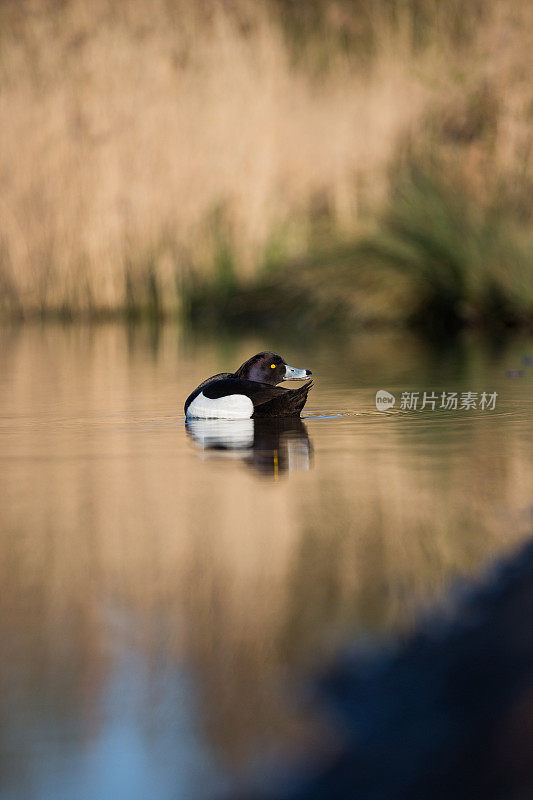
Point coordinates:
pixel 272 366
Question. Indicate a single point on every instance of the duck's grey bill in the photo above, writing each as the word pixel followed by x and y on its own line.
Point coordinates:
pixel 293 374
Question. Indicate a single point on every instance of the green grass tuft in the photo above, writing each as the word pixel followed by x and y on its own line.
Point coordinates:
pixel 468 264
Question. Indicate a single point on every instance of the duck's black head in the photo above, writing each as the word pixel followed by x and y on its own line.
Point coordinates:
pixel 270 368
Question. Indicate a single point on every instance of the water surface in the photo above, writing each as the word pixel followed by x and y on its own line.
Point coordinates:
pixel 164 585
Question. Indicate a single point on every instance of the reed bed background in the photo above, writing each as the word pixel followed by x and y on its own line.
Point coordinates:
pixel 368 161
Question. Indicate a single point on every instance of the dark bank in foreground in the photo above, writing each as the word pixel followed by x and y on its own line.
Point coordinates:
pixel 447 714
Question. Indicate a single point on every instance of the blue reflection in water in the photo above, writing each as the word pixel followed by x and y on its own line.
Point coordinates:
pixel 143 743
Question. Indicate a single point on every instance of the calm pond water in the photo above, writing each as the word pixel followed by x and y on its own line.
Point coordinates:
pixel 165 586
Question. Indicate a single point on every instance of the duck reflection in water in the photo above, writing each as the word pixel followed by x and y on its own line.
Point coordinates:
pixel 272 446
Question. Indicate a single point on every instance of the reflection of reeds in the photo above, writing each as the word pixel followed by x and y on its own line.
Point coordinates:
pixel 105 513
pixel 142 143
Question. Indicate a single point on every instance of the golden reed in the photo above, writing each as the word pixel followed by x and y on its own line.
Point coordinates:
pixel 136 136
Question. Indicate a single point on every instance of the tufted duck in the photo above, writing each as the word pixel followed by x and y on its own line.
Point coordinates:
pixel 251 391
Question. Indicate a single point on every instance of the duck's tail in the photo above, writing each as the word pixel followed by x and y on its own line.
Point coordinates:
pixel 289 404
